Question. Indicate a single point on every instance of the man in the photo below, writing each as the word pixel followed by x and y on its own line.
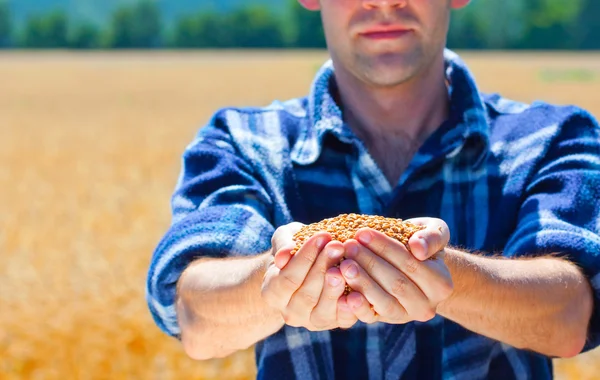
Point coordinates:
pixel 394 125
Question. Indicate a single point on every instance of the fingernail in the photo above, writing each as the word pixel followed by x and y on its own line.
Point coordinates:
pixel 334 253
pixel 320 242
pixel 358 302
pixel 365 237
pixel 334 281
pixel 352 271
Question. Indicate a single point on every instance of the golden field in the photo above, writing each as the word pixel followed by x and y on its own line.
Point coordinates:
pixel 90 148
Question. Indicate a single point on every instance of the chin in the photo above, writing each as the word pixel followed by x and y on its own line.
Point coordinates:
pixel 387 70
pixel 385 80
pixel 385 76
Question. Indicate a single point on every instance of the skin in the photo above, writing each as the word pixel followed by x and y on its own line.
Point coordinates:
pixel 308 291
pixel 386 80
pixel 542 304
pixel 234 303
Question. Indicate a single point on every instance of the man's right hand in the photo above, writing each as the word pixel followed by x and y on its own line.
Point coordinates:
pixel 306 287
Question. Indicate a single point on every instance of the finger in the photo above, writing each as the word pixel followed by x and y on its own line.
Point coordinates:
pixel 430 276
pixel 306 298
pixel 284 236
pixel 291 278
pixel 383 302
pixel 282 257
pixel 361 308
pixel 393 281
pixel 282 243
pixel 434 238
pixel 386 248
pixel 324 315
pixel 345 316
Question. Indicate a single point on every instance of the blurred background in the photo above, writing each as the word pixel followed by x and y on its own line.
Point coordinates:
pixel 98 100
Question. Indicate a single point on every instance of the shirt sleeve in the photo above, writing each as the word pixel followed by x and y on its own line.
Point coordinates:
pixel 560 213
pixel 219 209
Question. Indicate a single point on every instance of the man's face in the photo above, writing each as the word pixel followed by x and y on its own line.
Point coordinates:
pixel 385 42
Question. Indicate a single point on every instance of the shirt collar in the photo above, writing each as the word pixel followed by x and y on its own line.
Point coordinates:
pixel 468 118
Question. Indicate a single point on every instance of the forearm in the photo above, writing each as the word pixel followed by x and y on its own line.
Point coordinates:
pixel 541 304
pixel 220 309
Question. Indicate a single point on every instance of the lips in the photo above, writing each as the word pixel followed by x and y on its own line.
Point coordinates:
pixel 385 32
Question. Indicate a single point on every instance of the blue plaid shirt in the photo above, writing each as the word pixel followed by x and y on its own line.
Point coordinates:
pixel 506 177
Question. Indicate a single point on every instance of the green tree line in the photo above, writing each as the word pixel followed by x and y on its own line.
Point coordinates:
pixel 484 24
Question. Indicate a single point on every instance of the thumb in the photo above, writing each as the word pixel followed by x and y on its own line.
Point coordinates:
pixel 283 238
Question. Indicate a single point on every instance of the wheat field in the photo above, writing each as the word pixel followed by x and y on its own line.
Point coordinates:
pixel 90 146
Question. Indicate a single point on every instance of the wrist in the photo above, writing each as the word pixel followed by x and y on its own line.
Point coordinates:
pixel 470 274
pixel 273 318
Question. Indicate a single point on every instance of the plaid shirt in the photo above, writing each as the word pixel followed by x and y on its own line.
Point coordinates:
pixel 506 177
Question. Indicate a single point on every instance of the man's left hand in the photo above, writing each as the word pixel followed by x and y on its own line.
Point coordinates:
pixel 392 284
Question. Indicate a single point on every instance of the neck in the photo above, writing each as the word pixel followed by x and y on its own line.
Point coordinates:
pixel 409 112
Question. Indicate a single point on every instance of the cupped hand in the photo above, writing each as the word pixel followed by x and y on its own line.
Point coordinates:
pixel 307 287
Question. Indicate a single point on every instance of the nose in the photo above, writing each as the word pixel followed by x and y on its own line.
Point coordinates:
pixel 373 4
